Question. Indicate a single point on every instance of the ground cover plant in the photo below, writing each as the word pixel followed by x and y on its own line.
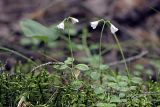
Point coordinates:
pixel 69 83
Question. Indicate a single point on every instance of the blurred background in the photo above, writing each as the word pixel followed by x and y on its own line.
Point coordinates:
pixel 138 22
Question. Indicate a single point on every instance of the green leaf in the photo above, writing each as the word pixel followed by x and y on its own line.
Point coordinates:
pixel 121 95
pixel 124 78
pixel 111 78
pixel 94 60
pixel 104 67
pixel 133 87
pixel 113 85
pixel 101 96
pixel 95 75
pixel 124 89
pixel 77 84
pixel 99 90
pixel 69 61
pixel 115 99
pixel 122 84
pixel 63 67
pixel 136 80
pixel 105 105
pixel 123 100
pixel 82 67
pixel 34 29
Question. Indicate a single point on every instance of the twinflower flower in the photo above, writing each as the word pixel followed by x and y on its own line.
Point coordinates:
pixel 94 24
pixel 113 29
pixel 61 25
pixel 74 20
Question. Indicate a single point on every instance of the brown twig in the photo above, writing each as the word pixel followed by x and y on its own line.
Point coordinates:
pixel 45 64
pixel 128 59
pixel 110 64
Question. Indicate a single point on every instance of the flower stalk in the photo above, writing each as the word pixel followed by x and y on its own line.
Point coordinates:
pixel 120 48
pixel 100 44
pixel 62 26
pixel 70 44
pixel 113 30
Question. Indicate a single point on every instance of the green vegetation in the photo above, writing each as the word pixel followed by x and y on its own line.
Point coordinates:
pixel 83 87
pixel 72 84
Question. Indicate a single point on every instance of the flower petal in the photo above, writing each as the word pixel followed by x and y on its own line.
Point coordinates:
pixel 74 20
pixel 61 25
pixel 113 29
pixel 94 24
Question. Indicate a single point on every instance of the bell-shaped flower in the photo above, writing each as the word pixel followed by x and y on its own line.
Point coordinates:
pixel 61 25
pixel 113 29
pixel 74 20
pixel 94 24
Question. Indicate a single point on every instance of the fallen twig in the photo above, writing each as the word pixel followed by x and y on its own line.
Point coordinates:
pixel 110 64
pixel 45 64
pixel 129 59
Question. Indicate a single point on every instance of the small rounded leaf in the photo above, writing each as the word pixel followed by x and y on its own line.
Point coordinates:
pixel 69 61
pixel 105 105
pixel 95 75
pixel 115 99
pixel 99 90
pixel 82 67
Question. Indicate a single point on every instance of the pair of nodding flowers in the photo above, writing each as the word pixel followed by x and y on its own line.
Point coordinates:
pixel 93 24
pixel 73 20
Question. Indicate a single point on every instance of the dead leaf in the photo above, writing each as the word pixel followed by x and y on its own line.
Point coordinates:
pixel 76 73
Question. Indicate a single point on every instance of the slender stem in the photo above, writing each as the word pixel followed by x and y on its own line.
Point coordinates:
pixel 100 51
pixel 70 43
pixel 100 44
pixel 84 42
pixel 1 84
pixel 120 48
pixel 70 46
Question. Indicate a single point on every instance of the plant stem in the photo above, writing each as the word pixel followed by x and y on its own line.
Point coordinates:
pixel 100 51
pixel 84 42
pixel 100 44
pixel 1 84
pixel 120 48
pixel 70 46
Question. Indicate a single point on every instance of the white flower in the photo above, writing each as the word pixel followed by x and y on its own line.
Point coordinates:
pixel 74 20
pixel 61 25
pixel 94 24
pixel 113 29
